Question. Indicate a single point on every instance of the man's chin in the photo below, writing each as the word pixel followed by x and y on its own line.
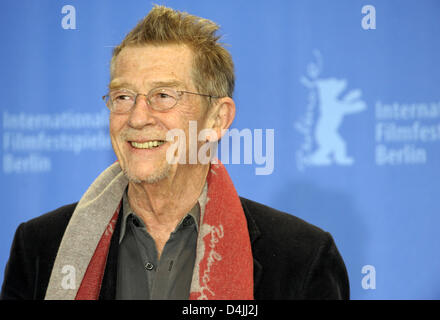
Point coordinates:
pixel 149 178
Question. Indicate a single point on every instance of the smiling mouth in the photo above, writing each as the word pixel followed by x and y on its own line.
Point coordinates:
pixel 147 145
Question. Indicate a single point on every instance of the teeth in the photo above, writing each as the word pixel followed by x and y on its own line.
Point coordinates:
pixel 147 145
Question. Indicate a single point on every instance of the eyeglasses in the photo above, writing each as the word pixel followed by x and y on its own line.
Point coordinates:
pixel 159 99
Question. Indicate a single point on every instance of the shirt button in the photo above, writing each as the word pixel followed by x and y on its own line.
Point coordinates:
pixel 149 266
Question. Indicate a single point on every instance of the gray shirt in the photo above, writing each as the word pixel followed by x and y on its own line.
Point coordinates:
pixel 141 275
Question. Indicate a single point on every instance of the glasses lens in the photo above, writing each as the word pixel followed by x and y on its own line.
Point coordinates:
pixel 121 101
pixel 163 98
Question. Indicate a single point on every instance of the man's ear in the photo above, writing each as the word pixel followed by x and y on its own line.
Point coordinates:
pixel 223 113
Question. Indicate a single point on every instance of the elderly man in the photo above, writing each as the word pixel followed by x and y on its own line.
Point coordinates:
pixel 153 228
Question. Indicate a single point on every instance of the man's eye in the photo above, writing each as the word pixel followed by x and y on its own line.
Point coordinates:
pixel 162 95
pixel 122 97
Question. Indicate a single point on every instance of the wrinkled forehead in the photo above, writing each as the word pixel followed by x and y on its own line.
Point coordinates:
pixel 175 60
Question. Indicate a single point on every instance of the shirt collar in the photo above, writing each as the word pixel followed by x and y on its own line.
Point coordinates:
pixel 196 211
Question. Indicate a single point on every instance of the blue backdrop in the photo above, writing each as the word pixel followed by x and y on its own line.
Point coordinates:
pixel 350 89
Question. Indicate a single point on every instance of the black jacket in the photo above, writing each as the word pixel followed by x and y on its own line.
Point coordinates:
pixel 292 258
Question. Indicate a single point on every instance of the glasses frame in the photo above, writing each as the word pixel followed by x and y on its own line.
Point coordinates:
pixel 180 93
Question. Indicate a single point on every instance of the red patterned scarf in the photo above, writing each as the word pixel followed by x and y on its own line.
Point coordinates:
pixel 224 264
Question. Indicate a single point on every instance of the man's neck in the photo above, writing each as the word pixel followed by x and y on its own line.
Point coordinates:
pixel 165 203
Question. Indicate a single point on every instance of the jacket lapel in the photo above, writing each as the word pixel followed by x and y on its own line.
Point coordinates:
pixel 254 234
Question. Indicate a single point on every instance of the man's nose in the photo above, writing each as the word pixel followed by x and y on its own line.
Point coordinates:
pixel 141 114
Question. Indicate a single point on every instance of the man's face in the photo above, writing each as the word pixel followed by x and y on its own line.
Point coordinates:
pixel 141 69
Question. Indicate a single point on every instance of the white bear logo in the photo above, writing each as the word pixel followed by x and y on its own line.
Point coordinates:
pixel 323 145
pixel 332 111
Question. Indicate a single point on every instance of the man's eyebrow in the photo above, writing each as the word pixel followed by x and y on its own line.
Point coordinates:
pixel 115 84
pixel 170 83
